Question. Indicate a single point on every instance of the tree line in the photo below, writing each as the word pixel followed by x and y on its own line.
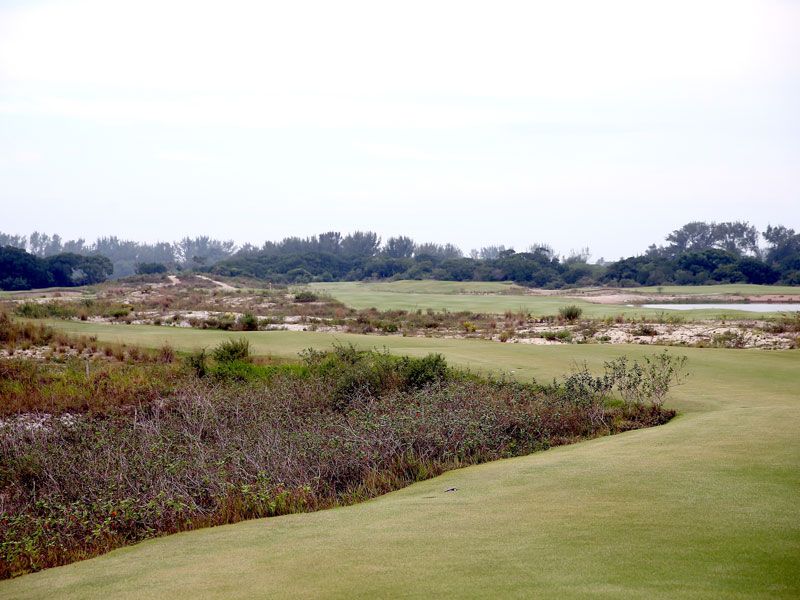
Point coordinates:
pixel 127 255
pixel 697 253
pixel 21 270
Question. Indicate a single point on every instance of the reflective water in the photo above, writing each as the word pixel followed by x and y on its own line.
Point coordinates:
pixel 750 307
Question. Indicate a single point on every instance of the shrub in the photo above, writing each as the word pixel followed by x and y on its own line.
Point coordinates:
pixel 166 354
pixel 305 296
pixel 570 312
pixel 196 361
pixel 44 310
pixel 233 349
pixel 649 380
pixel 248 322
pixel 119 312
pixel 226 451
pixel 644 329
pixel 562 335
pixel 12 332
pixel 419 372
pixel 729 339
pixel 152 268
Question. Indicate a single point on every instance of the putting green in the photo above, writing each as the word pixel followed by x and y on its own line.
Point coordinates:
pixel 459 296
pixel 707 506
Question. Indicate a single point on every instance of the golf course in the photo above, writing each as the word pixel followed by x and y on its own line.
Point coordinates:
pixel 706 506
pixel 497 298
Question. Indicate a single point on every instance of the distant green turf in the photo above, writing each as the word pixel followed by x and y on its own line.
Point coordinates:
pixel 441 295
pixel 741 289
pixel 17 294
pixel 430 286
pixel 707 506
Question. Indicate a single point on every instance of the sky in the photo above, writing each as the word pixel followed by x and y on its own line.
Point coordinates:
pixel 574 123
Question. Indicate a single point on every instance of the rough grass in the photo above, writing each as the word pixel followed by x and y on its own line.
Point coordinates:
pixel 447 295
pixel 707 506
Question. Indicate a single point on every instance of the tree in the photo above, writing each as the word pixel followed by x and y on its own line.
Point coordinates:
pixel 777 235
pixel 20 270
pixel 696 234
pixel 541 248
pixel 362 244
pixel 490 252
pixel 203 250
pixel 152 268
pixel 37 243
pixel 399 247
pixel 578 256
pixel 785 254
pixel 438 251
pixel 17 241
pixel 330 241
pixel 737 237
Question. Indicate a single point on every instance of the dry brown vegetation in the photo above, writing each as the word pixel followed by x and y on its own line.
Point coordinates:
pixel 141 444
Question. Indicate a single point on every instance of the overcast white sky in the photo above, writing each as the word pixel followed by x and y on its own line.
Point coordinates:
pixel 605 124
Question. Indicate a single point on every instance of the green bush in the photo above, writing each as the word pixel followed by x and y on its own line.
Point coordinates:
pixel 367 372
pixel 237 370
pixel 248 322
pixel 119 312
pixel 305 296
pixel 233 349
pixel 562 335
pixel 197 363
pixel 419 372
pixel 35 310
pixel 570 312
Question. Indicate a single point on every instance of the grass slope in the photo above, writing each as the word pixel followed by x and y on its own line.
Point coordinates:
pixel 432 286
pixel 742 289
pixel 707 506
pixel 450 295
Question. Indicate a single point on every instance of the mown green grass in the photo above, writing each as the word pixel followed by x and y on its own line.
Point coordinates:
pixel 707 506
pixel 16 294
pixel 742 289
pixel 430 286
pixel 445 295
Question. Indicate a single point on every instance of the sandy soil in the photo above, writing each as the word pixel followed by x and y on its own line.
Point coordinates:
pixel 222 285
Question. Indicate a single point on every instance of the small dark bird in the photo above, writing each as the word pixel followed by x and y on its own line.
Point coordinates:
pixel 453 489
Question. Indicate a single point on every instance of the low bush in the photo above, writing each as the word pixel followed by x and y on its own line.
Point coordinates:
pixel 74 384
pixel 571 312
pixel 231 350
pixel 305 296
pixel 257 440
pixel 644 330
pixel 13 332
pixel 46 310
pixel 562 335
pixel 248 322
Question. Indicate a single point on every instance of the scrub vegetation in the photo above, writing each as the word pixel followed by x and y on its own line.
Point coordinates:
pixel 103 451
pixel 409 308
pixel 712 495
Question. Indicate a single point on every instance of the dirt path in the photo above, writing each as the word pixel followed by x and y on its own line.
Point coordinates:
pixel 174 279
pixel 224 286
